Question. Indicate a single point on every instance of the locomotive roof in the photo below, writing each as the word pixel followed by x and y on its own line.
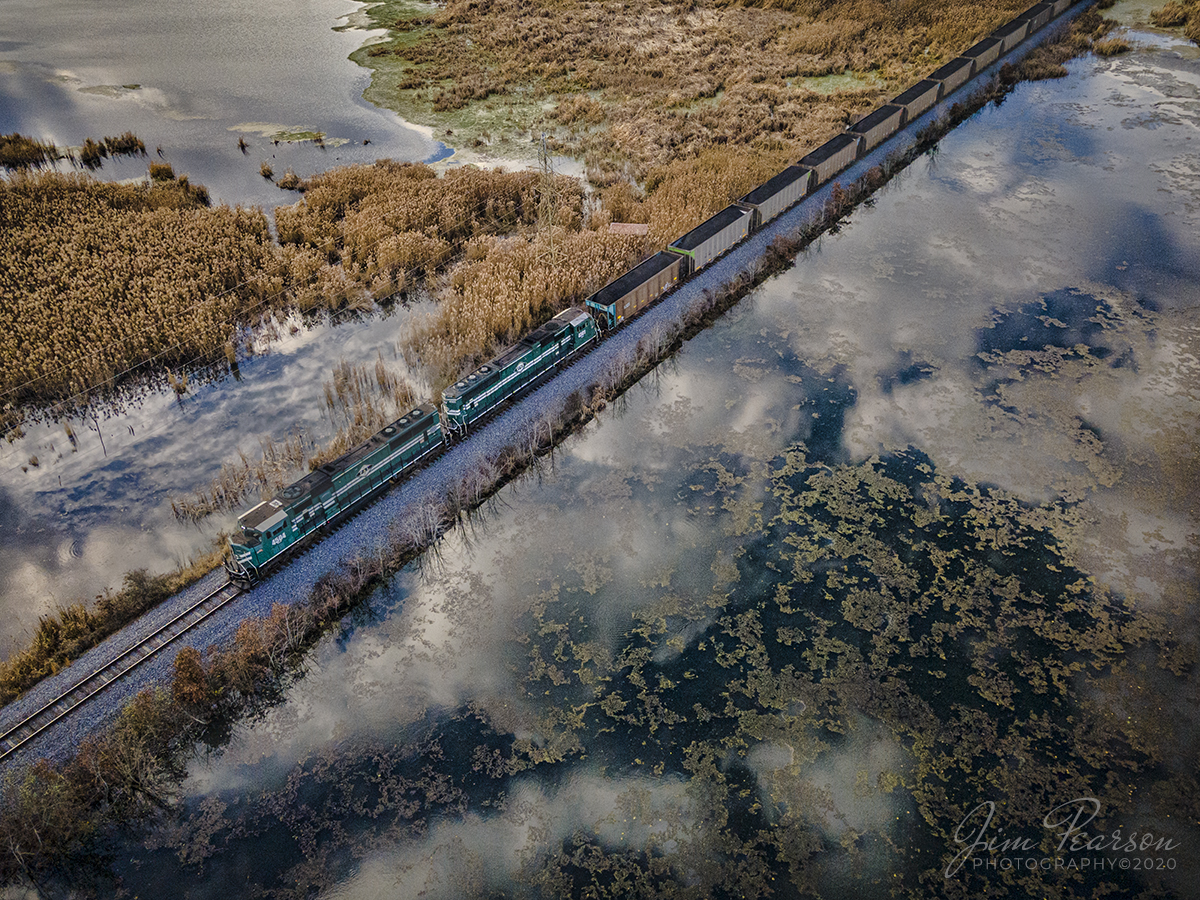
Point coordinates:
pixel 832 146
pixel 642 272
pixel 263 516
pixel 769 189
pixel 715 225
pixel 879 116
pixel 412 422
pixel 316 482
pixel 544 334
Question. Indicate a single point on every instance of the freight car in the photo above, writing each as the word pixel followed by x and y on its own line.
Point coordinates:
pixel 1037 16
pixel 782 192
pixel 1011 34
pixel 953 74
pixel 273 529
pixel 918 98
pixel 635 290
pixel 832 156
pixel 707 241
pixel 984 53
pixel 876 127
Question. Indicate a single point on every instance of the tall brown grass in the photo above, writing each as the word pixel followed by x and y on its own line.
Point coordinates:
pixel 1177 13
pixel 99 277
pixel 639 84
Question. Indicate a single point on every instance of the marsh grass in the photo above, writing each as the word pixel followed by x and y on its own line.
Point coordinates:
pixel 63 636
pixel 150 270
pixel 629 87
pixel 20 152
pixel 1177 13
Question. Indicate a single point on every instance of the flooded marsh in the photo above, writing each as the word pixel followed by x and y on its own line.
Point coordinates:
pixel 911 530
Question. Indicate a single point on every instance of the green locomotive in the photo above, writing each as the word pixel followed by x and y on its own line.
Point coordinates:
pixel 274 527
pixel 473 397
pixel 270 531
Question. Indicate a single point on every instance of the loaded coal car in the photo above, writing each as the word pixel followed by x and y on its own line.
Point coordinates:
pixel 953 74
pixel 1011 33
pixel 984 53
pixel 707 241
pixel 635 290
pixel 832 156
pixel 268 532
pixel 918 98
pixel 473 397
pixel 772 197
pixel 1037 16
pixel 878 126
pixel 1058 7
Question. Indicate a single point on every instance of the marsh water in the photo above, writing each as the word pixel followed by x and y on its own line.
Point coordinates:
pixel 191 80
pixel 912 528
pixel 932 489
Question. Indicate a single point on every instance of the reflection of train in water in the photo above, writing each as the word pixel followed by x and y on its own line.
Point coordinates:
pixel 274 529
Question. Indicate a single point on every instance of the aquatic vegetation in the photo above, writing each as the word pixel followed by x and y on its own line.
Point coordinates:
pixel 20 152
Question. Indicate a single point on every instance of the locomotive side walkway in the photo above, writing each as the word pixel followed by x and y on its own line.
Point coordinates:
pixel 365 531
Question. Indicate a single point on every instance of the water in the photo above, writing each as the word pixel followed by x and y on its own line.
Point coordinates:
pixel 191 80
pixel 931 490
pixel 99 506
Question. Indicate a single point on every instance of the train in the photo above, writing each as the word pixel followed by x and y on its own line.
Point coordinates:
pixel 276 529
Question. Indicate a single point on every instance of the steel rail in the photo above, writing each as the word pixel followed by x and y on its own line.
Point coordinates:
pixel 115 669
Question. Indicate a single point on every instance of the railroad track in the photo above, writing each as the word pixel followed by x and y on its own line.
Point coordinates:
pixel 69 701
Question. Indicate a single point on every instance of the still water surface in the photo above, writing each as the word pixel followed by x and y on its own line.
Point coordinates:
pixel 901 494
pixel 192 78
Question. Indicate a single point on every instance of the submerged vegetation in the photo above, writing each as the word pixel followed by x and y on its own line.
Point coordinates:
pixel 934 633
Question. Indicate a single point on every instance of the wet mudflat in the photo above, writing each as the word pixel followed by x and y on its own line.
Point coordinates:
pixel 913 529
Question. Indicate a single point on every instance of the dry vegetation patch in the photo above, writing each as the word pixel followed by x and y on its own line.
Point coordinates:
pixel 98 277
pixel 629 80
pixel 1176 13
